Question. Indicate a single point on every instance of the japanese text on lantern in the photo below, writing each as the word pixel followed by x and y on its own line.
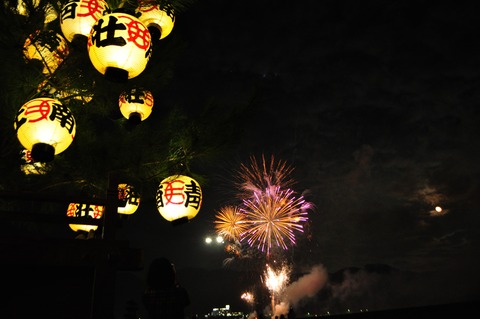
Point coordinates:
pixel 84 210
pixel 138 34
pixel 147 7
pixel 93 9
pixel 128 195
pixel 176 192
pixel 138 96
pixel 44 110
pixel 110 30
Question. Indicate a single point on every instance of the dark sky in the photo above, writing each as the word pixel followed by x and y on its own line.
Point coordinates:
pixel 376 105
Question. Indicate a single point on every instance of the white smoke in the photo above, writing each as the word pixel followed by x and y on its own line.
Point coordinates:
pixel 306 286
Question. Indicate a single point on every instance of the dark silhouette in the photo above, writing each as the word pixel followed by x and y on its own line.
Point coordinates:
pixel 291 313
pixel 164 297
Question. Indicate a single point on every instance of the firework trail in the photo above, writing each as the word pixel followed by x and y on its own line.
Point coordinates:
pixel 276 281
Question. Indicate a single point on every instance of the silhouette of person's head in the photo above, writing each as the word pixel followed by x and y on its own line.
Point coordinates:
pixel 161 273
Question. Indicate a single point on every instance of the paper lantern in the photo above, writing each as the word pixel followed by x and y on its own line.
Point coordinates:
pixel 119 46
pixel 127 194
pixel 84 210
pixel 179 198
pixel 159 21
pixel 45 127
pixel 136 104
pixel 47 47
pixel 78 17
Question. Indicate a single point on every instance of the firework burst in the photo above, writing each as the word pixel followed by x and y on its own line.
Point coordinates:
pixel 269 215
pixel 273 217
pixel 230 223
pixel 259 175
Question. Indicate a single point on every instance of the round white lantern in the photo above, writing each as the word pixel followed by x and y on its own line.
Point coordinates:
pixel 159 21
pixel 78 17
pixel 119 46
pixel 45 127
pixel 127 194
pixel 84 210
pixel 48 47
pixel 136 105
pixel 179 198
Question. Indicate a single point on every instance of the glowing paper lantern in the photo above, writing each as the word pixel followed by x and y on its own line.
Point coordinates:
pixel 45 127
pixel 48 47
pixel 84 210
pixel 127 194
pixel 159 21
pixel 78 17
pixel 119 46
pixel 136 105
pixel 179 198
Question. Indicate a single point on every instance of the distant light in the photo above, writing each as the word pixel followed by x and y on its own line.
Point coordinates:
pixel 438 209
pixel 218 239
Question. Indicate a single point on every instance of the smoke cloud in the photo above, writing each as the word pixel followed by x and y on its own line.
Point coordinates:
pixel 306 286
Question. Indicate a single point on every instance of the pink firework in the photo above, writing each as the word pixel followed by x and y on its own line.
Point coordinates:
pixel 274 215
pixel 260 175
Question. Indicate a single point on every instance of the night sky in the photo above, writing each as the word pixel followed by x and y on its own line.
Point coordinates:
pixel 376 106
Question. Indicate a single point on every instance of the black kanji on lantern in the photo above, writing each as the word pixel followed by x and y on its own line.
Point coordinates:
pixel 62 114
pixel 159 199
pixel 69 11
pixel 135 96
pixel 193 193
pixel 110 30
